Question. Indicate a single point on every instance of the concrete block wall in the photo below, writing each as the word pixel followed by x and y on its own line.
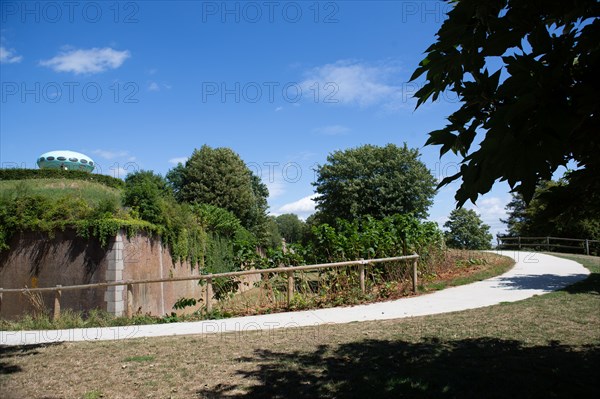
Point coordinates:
pixel 114 296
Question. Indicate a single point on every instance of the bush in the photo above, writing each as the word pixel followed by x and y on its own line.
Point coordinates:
pixel 372 238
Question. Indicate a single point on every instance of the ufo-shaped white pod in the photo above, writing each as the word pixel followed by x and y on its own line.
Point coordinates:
pixel 66 160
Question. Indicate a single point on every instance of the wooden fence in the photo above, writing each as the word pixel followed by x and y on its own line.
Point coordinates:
pixel 289 270
pixel 548 243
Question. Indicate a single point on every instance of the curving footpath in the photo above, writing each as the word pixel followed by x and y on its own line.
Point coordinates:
pixel 533 274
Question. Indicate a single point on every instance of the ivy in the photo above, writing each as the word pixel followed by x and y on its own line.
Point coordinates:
pixel 188 241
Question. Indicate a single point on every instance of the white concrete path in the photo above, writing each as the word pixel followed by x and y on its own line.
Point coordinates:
pixel 533 274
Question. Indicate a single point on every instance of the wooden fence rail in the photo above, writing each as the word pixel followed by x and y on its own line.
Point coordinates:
pixel 545 242
pixel 289 270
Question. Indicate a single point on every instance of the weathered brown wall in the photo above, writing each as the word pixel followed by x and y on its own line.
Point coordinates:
pixel 39 260
pixel 65 259
pixel 146 258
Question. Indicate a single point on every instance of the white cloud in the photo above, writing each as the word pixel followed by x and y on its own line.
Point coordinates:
pixel 270 177
pixel 177 160
pixel 278 109
pixel 8 56
pixel 114 154
pixel 87 61
pixel 303 207
pixel 354 83
pixel 332 130
pixel 153 86
pixel 276 188
pixel 491 210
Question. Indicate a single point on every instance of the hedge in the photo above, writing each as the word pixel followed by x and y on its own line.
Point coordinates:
pixel 27 174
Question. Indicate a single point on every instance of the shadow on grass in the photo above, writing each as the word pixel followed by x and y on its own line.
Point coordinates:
pixel 470 368
pixel 591 285
pixel 545 282
pixel 7 352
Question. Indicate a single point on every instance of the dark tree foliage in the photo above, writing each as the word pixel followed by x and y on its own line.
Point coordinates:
pixel 467 231
pixel 373 180
pixel 547 215
pixel 526 73
pixel 517 216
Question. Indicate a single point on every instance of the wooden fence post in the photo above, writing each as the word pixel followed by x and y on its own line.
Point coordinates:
pixel 548 244
pixel 519 242
pixel 361 276
pixel 209 294
pixel 587 248
pixel 414 275
pixel 290 293
pixel 57 295
pixel 1 301
pixel 129 296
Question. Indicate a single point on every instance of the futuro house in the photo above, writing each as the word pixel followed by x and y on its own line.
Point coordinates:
pixel 65 160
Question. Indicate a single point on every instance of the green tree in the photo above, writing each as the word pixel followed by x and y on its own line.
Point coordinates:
pixel 373 180
pixel 257 218
pixel 526 74
pixel 291 227
pixel 547 215
pixel 274 235
pixel 219 177
pixel 146 192
pixel 467 231
pixel 517 215
pixel 176 179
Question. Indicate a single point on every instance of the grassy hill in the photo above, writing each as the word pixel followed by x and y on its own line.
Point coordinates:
pixel 46 200
pixel 94 206
pixel 92 192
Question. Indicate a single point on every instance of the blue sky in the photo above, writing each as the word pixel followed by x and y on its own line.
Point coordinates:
pixel 140 84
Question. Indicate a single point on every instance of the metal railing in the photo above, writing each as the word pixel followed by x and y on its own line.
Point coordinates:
pixel 547 243
pixel 289 270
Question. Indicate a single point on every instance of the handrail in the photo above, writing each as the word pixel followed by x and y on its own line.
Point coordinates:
pixel 209 278
pixel 284 269
pixel 508 241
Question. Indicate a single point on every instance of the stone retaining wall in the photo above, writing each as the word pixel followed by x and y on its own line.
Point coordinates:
pixel 39 260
